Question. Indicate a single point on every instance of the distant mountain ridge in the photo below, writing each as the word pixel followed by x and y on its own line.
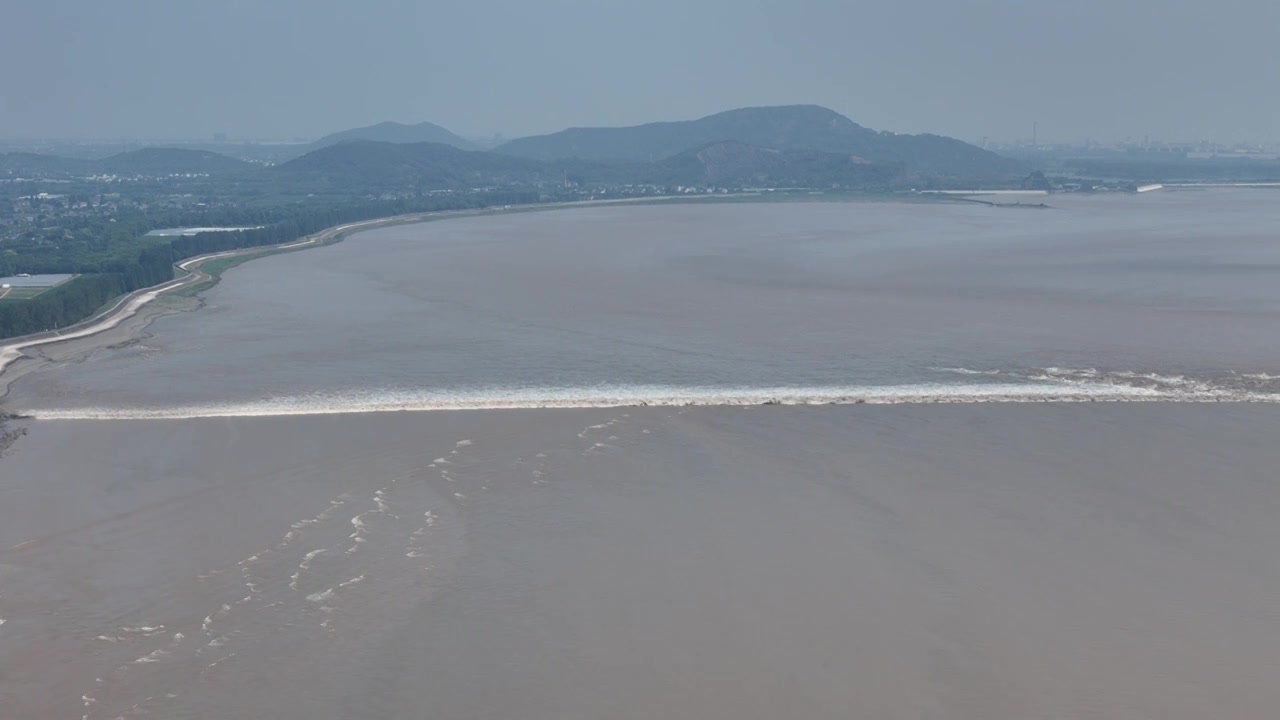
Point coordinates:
pixel 737 164
pixel 144 161
pixel 423 164
pixel 394 132
pixel 161 160
pixel 28 163
pixel 789 127
pixel 378 165
pixel 792 146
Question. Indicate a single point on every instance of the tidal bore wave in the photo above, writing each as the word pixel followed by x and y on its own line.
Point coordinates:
pixel 1051 385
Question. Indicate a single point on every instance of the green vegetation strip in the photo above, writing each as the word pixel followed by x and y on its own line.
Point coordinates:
pixel 215 268
pixel 84 297
pixel 22 293
pixel 73 301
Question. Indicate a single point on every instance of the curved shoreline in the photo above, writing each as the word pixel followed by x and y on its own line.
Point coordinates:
pixel 129 305
pixel 12 350
pixel 1051 385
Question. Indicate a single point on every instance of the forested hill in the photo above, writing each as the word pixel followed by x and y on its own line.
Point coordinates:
pixel 793 127
pixel 798 145
pixel 145 161
pixel 376 166
pixel 36 164
pixel 366 163
pixel 161 160
pixel 736 164
pixel 394 132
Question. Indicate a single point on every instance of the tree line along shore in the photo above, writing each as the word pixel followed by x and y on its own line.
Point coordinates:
pixel 94 287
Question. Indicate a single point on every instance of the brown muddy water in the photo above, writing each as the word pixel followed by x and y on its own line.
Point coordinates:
pixel 225 519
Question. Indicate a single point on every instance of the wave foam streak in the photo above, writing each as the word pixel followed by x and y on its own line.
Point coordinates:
pixel 1050 385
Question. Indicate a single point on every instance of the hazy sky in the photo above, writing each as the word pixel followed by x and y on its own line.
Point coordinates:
pixel 1101 69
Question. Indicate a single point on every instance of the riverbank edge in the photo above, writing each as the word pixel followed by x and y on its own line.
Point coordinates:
pixel 140 303
pixel 13 351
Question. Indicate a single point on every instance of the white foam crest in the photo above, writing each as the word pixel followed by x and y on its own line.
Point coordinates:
pixel 589 428
pixel 1048 385
pixel 356 542
pixel 221 660
pixel 964 371
pixel 1171 387
pixel 153 657
pixel 304 565
pixel 325 515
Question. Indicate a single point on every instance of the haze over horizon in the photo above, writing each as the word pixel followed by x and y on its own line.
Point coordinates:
pixel 988 68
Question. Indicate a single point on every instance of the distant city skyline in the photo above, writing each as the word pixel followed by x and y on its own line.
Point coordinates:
pixel 288 69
